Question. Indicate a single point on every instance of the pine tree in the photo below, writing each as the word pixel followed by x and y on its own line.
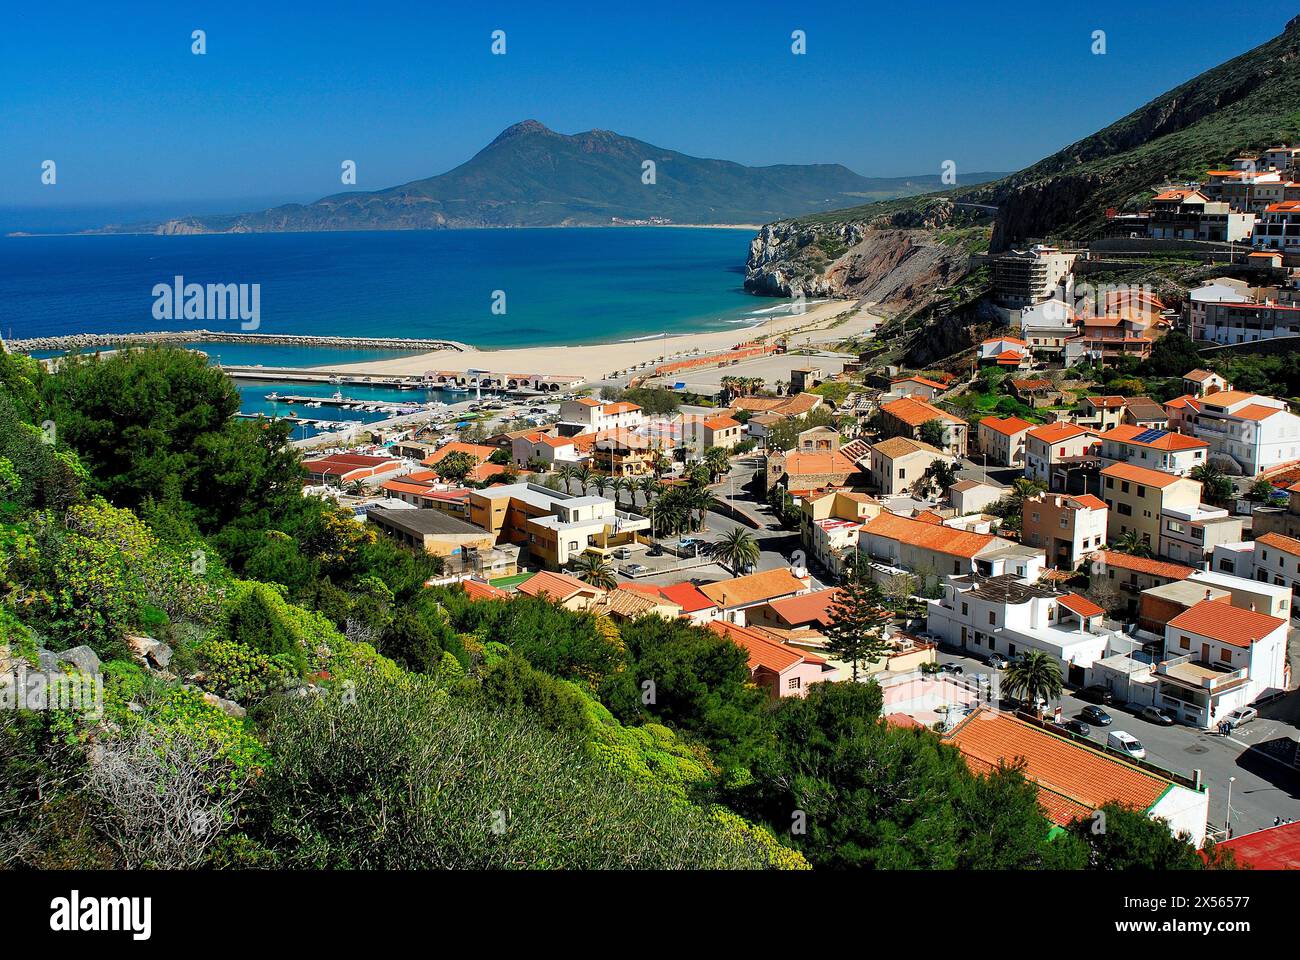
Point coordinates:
pixel 858 619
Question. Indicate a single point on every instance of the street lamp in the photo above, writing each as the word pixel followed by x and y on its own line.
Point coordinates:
pixel 1228 822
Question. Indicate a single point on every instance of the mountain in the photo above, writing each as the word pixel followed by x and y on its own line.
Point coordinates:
pixel 532 176
pixel 1248 103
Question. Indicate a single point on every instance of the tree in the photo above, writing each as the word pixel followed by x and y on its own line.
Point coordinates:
pixel 1033 676
pixel 1261 491
pixel 584 476
pixel 455 466
pixel 935 433
pixel 596 570
pixel 1132 543
pixel 1121 838
pixel 856 633
pixel 718 460
pixel 940 475
pixel 737 549
pixel 1173 355
pixel 701 501
pixel 1216 485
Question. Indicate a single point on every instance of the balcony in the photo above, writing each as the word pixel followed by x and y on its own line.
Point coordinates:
pixel 1198 675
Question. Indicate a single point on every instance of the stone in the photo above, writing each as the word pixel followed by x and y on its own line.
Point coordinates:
pixel 82 657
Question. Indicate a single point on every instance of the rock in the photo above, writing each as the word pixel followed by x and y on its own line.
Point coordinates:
pixel 228 707
pixel 82 657
pixel 150 652
pixel 46 661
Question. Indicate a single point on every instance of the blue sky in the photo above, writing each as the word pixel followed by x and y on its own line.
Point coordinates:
pixel 113 94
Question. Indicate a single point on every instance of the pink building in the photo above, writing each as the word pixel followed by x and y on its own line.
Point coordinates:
pixel 780 669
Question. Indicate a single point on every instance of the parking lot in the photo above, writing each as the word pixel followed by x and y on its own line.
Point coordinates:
pixel 1265 787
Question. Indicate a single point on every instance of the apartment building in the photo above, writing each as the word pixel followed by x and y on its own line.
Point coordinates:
pixel 1153 448
pixel 1279 227
pixel 1221 290
pixel 1269 558
pixel 1186 214
pixel 1006 351
pixel 1022 278
pixel 1190 534
pixel 1045 327
pixel 1256 432
pixel 538 445
pixel 588 415
pixel 829 526
pixel 937 551
pixel 897 463
pixel 1053 444
pixel 1136 498
pixel 1068 528
pixel 1002 440
pixel 1101 413
pixel 1232 322
pixel 904 418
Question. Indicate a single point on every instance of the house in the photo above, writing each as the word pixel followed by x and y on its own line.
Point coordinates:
pixel 933 551
pixel 1075 780
pixel 569 592
pixel 1221 657
pixel 1232 322
pixel 1158 605
pixel 586 415
pixel 624 604
pixel 973 496
pixel 722 431
pixel 1127 574
pixel 897 463
pixel 1145 413
pixel 1154 448
pixel 427 490
pixel 807 611
pixel 1284 520
pixel 1253 432
pixel 1006 352
pixel 623 453
pixel 778 668
pixel 551 450
pixel 829 525
pixel 1187 214
pixel 694 605
pixel 477 589
pixel 1022 278
pixel 906 416
pixel 1189 534
pixel 1002 440
pixel 916 386
pixel 1008 615
pixel 1136 498
pixel 475 452
pixel 1218 290
pixel 555 526
pixel 463 547
pixel 1054 445
pixel 1101 413
pixel 1046 328
pixel 1269 558
pixel 1068 528
pixel 802 473
pixel 1180 413
pixel 735 596
pixel 1198 383
pixel 340 469
pixel 1279 227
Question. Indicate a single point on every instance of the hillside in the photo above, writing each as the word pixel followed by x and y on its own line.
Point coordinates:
pixel 1248 103
pixel 532 176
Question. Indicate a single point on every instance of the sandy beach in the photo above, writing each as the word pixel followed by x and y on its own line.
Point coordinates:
pixel 599 361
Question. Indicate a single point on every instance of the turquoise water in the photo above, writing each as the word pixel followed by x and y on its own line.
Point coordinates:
pixel 562 285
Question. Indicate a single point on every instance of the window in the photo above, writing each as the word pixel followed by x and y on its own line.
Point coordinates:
pixel 1225 655
pixel 965 609
pixel 1185 642
pixel 993 617
pixel 792 683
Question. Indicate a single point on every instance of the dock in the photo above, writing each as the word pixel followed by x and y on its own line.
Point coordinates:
pixel 85 341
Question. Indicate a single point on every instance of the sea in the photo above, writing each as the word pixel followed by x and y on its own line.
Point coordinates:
pixel 492 288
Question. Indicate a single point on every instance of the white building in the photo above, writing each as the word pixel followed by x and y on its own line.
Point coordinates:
pixel 1219 290
pixel 1269 558
pixel 1257 433
pixel 1163 450
pixel 587 415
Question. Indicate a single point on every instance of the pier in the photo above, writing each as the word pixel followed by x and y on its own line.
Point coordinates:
pixel 84 341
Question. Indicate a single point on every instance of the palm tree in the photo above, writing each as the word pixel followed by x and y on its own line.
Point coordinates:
pixel 596 570
pixel 1035 675
pixel 651 487
pixel 602 483
pixel 660 464
pixel 1133 544
pixel 718 460
pixel 584 477
pixel 566 472
pixel 737 549
pixel 1215 484
pixel 618 485
pixel 701 501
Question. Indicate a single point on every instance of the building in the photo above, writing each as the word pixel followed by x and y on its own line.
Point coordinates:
pixel 537 445
pixel 1153 448
pixel 1047 327
pixel 807 611
pixel 905 417
pixel 1010 353
pixel 587 415
pixel 1219 290
pixel 1137 497
pixel 803 473
pixel 1180 414
pixel 1075 779
pixel 897 463
pixel 1187 214
pixel 916 386
pixel 974 496
pixel 1101 413
pixel 1198 383
pixel 1220 657
pixel 1055 445
pixel 1269 558
pixel 1273 848
pixel 694 606
pixel 1068 528
pixel 1145 413
pixel 1279 227
pixel 1189 534
pixel 340 469
pixel 734 597
pixel 778 668
pixel 554 526
pixel 624 604
pixel 1129 575
pixel 1008 616
pixel 1252 432
pixel 622 452
pixel 933 551
pixel 1022 278
pixel 569 592
pixel 829 526
pixel 465 548
pixel 1002 440
pixel 1158 605
pixel 1230 322
pixel 1284 520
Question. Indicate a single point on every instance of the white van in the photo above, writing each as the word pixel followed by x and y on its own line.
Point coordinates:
pixel 1127 743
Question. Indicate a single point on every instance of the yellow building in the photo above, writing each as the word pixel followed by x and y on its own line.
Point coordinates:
pixel 1136 496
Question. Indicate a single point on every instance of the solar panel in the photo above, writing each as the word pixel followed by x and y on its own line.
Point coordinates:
pixel 1150 436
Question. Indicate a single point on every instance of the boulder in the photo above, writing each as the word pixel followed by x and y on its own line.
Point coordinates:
pixel 150 652
pixel 228 707
pixel 82 657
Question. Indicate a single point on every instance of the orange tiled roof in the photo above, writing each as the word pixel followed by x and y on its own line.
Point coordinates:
pixel 478 590
pixel 763 651
pixel 1007 426
pixel 1226 623
pixel 1081 605
pixel 1073 780
pixel 1187 400
pixel 915 412
pixel 721 422
pixel 1278 542
pixel 1226 398
pixel 810 464
pixel 940 539
pixel 1016 341
pixel 621 406
pixel 921 380
pixel 1149 478
pixel 812 607
pixel 1256 411
pixel 1173 441
pixel 1088 501
pixel 896 447
pixel 1157 568
pixel 474 451
pixel 755 588
pixel 557 586
pixel 1056 432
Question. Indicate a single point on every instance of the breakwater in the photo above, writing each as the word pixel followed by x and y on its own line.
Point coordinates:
pixel 87 341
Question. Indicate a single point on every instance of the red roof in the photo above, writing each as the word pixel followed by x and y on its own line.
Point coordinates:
pixel 478 590
pixel 685 595
pixel 807 608
pixel 1081 605
pixel 1226 623
pixel 1156 568
pixel 1127 433
pixel 763 651
pixel 1008 426
pixel 1274 848
pixel 1056 432
pixel 1276 540
pixel 557 586
pixel 1089 502
pixel 1149 478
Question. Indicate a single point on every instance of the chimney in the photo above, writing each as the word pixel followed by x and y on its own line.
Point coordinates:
pixel 1196 779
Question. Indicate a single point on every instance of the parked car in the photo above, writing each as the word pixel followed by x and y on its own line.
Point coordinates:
pixel 623 553
pixel 1241 715
pixel 1096 694
pixel 1077 726
pixel 954 668
pixel 1127 743
pixel 1095 715
pixel 635 569
pixel 996 661
pixel 1152 715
